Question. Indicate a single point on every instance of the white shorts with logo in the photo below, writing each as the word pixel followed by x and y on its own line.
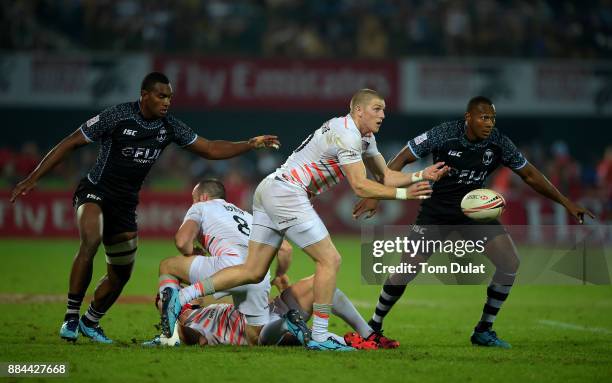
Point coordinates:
pixel 279 209
pixel 250 300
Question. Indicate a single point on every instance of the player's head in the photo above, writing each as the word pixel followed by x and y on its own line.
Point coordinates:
pixel 480 118
pixel 155 95
pixel 208 189
pixel 367 110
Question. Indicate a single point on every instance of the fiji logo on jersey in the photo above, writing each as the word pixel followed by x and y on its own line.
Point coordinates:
pixel 487 158
pixel 162 135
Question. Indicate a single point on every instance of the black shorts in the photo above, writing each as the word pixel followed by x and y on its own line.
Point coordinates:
pixel 119 214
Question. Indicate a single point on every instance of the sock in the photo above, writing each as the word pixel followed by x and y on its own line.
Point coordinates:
pixel 320 321
pixel 497 294
pixel 92 316
pixel 388 296
pixel 273 333
pixel 73 306
pixel 198 289
pixel 167 280
pixel 343 308
pixel 288 299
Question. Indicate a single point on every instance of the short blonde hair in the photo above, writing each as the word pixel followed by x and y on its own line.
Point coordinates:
pixel 362 97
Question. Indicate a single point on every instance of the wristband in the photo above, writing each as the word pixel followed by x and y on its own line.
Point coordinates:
pixel 417 176
pixel 401 193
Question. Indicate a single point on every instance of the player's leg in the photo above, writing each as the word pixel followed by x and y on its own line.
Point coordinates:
pixel 89 222
pixel 503 254
pixel 396 284
pixel 120 254
pixel 313 238
pixel 175 270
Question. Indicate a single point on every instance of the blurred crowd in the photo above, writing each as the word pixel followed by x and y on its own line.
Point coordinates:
pixel 314 28
pixel 590 183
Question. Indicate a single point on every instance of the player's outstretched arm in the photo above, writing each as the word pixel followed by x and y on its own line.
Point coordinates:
pixel 538 182
pixel 369 206
pixel 185 235
pixel 219 150
pixel 54 157
pixel 283 259
pixel 365 188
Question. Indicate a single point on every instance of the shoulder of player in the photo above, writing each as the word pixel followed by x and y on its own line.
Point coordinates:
pixel 499 139
pixel 345 127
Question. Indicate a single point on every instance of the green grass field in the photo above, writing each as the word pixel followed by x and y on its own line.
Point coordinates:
pixel 558 333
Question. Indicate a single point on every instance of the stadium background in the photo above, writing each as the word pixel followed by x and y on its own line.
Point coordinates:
pixel 243 68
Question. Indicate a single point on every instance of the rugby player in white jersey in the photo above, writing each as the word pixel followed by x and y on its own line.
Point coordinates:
pixel 342 148
pixel 223 230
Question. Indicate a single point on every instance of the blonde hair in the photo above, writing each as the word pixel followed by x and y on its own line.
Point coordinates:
pixel 362 97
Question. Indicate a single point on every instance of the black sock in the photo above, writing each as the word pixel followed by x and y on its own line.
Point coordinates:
pixel 388 296
pixel 73 306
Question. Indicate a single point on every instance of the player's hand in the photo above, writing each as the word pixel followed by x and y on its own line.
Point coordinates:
pixel 265 141
pixel 365 205
pixel 419 190
pixel 281 282
pixel 435 171
pixel 578 212
pixel 22 188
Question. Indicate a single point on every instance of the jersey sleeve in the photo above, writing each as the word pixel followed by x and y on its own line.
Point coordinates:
pixel 183 134
pixel 349 146
pixel 427 142
pixel 195 213
pixel 98 126
pixel 511 156
pixel 371 149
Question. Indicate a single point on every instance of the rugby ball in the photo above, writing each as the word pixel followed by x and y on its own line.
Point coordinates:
pixel 483 205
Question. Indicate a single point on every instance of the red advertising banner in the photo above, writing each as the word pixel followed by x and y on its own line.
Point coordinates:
pixel 50 213
pixel 275 84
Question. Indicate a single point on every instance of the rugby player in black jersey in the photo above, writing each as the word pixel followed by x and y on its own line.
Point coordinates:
pixel 473 148
pixel 132 136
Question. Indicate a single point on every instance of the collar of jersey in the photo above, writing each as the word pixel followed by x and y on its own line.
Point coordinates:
pixel 147 124
pixel 351 124
pixel 474 145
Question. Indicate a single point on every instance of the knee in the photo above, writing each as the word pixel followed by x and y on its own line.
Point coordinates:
pixel 165 266
pixel 332 261
pixel 255 276
pixel 90 243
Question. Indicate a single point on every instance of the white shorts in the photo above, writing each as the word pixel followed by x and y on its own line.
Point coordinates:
pixel 280 209
pixel 250 300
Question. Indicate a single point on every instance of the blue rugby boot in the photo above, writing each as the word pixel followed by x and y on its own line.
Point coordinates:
pixel 330 344
pixel 69 330
pixel 297 327
pixel 488 338
pixel 96 334
pixel 171 309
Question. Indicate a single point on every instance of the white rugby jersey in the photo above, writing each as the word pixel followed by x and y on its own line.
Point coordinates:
pixel 224 228
pixel 220 323
pixel 315 164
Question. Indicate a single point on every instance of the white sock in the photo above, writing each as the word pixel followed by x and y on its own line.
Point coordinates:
pixel 320 321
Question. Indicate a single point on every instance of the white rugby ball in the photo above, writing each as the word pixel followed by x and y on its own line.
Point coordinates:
pixel 483 204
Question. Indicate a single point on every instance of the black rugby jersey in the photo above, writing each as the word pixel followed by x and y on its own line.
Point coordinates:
pixel 470 163
pixel 129 146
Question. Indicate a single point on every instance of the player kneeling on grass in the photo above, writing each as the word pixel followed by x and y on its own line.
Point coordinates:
pixel 222 323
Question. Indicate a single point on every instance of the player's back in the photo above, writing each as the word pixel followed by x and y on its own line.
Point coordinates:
pixel 315 164
pixel 224 227
pixel 219 323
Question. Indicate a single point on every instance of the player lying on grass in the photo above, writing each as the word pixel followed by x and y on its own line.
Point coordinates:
pixel 341 148
pixel 473 148
pixel 222 323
